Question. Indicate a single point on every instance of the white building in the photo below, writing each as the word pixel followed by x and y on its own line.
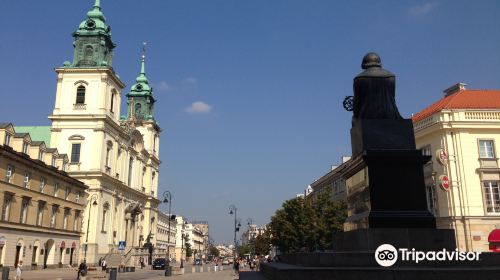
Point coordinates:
pixel 165 235
pixel 116 156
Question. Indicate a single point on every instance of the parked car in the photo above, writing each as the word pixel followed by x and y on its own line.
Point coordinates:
pixel 225 262
pixel 159 263
pixel 230 260
pixel 198 262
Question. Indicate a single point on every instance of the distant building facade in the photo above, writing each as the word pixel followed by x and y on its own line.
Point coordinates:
pixel 333 180
pixel 166 235
pixel 461 132
pixel 41 206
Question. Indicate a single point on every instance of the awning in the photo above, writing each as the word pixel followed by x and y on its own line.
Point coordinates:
pixel 494 236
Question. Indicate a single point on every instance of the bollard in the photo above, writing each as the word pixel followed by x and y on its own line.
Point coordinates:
pixel 168 270
pixel 5 273
pixel 112 274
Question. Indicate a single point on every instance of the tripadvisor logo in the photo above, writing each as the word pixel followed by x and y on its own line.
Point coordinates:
pixel 387 255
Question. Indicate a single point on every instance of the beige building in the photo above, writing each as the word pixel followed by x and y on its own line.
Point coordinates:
pixel 333 179
pixel 196 240
pixel 116 156
pixel 41 206
pixel 205 230
pixel 461 132
pixel 163 240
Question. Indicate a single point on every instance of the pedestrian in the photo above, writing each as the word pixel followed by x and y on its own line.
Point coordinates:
pixel 100 261
pixel 82 269
pixel 19 270
pixel 103 264
pixel 236 267
pixel 142 263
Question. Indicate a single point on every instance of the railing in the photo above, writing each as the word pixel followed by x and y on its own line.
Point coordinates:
pixel 479 115
pixel 79 106
pixel 424 123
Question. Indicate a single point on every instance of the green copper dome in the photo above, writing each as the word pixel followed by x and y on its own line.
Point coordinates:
pixel 93 44
pixel 140 98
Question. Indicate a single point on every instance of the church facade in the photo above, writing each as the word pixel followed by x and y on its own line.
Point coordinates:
pixel 116 156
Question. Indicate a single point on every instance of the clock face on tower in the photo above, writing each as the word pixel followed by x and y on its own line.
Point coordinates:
pixel 90 24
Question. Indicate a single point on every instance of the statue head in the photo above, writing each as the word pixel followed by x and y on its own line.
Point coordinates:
pixel 371 59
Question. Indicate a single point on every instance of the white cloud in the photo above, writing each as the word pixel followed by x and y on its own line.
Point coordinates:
pixel 199 107
pixel 423 9
pixel 162 86
pixel 189 81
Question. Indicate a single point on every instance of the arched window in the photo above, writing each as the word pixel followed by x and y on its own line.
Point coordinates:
pixel 89 51
pixel 80 95
pixel 138 107
pixel 113 94
pixel 130 166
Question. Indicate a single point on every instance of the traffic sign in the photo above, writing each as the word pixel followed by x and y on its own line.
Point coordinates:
pixel 121 245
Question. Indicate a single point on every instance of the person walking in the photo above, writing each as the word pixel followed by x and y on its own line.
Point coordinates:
pixel 104 264
pixel 19 270
pixel 236 267
pixel 82 269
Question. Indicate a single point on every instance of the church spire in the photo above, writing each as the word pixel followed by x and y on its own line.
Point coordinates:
pixel 93 44
pixel 140 98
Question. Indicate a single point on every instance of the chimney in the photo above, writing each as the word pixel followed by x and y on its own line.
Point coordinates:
pixel 454 89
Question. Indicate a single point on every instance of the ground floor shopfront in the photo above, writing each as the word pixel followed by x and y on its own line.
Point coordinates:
pixel 38 250
pixel 471 232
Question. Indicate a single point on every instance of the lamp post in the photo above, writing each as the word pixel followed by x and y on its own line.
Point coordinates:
pixel 167 198
pixel 232 210
pixel 92 201
pixel 250 236
pixel 183 236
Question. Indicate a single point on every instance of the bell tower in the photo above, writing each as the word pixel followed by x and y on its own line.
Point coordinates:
pixel 93 44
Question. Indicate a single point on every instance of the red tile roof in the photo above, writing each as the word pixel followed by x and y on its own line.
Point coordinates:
pixel 464 99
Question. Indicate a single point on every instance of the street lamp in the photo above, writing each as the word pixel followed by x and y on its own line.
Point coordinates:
pixel 232 210
pixel 250 236
pixel 167 198
pixel 92 201
pixel 183 236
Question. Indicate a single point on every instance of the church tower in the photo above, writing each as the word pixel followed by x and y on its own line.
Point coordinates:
pixel 116 157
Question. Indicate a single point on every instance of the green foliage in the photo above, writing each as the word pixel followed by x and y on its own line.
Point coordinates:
pixel 189 251
pixel 262 243
pixel 302 225
pixel 244 249
pixel 212 250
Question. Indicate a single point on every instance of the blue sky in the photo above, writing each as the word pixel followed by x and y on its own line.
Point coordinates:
pixel 249 92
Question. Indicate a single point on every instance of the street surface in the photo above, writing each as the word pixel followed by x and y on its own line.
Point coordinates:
pixel 140 274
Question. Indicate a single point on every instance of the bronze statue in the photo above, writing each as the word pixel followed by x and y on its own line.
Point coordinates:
pixel 374 91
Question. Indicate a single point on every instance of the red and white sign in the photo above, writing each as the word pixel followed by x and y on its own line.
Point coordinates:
pixel 444 182
pixel 442 156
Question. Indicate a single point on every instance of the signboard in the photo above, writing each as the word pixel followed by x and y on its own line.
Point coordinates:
pixel 121 245
pixel 444 182
pixel 442 156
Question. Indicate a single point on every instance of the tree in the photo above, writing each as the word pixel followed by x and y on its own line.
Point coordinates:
pixel 243 250
pixel 262 243
pixel 212 250
pixel 302 225
pixel 189 251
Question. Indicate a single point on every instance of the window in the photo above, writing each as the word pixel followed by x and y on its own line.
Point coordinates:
pixel 431 199
pixel 75 152
pixel 40 155
pixel 80 95
pixel 66 216
pixel 108 152
pixel 53 216
pixel 26 182
pixel 77 220
pixel 104 217
pixel 492 196
pixel 42 184
pixel 486 149
pixel 7 200
pixel 67 191
pixel 9 174
pixel 53 161
pixel 112 102
pixel 130 166
pixel 78 195
pixel 7 139
pixel 24 210
pixel 25 147
pixel 426 150
pixel 39 214
pixel 56 189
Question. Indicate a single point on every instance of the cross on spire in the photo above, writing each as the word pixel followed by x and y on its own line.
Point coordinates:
pixel 143 58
